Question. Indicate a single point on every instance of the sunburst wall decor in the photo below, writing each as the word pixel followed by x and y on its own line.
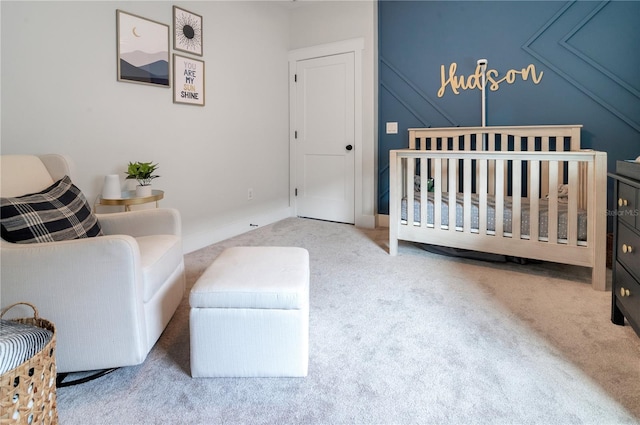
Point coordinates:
pixel 187 31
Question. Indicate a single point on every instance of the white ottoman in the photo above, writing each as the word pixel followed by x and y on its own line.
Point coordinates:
pixel 250 314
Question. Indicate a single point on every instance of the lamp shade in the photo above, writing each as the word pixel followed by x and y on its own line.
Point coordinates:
pixel 111 188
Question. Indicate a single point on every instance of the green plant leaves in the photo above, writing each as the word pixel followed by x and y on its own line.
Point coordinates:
pixel 142 171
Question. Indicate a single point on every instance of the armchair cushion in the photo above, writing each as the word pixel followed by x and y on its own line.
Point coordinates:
pixel 59 212
pixel 160 255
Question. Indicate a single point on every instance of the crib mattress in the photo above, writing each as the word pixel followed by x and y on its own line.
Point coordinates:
pixel 543 222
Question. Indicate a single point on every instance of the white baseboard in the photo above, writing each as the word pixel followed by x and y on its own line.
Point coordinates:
pixel 383 220
pixel 366 221
pixel 206 235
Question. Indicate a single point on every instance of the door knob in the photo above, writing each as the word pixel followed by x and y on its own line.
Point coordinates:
pixel 349 147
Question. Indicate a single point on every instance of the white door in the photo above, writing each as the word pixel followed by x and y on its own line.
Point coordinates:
pixel 324 138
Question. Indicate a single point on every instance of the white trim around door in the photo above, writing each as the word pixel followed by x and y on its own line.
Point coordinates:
pixel 356 46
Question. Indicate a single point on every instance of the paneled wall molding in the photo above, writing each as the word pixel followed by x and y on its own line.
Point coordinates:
pixel 418 91
pixel 408 107
pixel 541 53
pixel 587 51
pixel 591 61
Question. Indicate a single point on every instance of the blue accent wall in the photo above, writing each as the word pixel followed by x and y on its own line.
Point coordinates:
pixel 587 51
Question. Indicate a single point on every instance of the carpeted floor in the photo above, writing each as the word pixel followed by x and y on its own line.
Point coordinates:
pixel 417 338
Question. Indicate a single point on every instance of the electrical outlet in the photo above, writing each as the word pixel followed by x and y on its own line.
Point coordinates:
pixel 250 194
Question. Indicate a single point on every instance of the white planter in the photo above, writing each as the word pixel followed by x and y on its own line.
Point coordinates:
pixel 143 191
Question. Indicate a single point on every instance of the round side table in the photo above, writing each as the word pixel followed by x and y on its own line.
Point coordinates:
pixel 129 198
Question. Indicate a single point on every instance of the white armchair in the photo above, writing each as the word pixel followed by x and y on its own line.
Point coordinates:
pixel 110 297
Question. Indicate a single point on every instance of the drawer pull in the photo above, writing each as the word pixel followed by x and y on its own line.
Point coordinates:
pixel 624 292
pixel 622 202
pixel 627 249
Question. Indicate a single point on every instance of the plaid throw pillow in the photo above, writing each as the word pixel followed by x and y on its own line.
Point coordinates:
pixel 58 213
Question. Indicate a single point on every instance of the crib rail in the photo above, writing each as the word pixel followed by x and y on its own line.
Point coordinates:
pixel 497 138
pixel 525 178
pixel 550 138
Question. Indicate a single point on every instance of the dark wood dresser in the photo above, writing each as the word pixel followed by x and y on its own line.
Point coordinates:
pixel 625 293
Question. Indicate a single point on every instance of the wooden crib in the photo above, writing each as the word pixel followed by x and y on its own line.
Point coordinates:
pixel 525 191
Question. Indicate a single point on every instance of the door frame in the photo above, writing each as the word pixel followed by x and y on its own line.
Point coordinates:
pixel 355 45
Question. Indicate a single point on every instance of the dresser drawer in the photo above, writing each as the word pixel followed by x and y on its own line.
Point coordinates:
pixel 628 248
pixel 628 205
pixel 631 302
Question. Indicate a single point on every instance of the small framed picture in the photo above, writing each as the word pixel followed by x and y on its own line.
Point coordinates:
pixel 188 84
pixel 143 50
pixel 187 31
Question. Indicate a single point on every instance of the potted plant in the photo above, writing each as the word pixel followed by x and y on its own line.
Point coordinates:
pixel 143 173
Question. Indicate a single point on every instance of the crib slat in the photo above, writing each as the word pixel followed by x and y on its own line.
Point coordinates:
pixel 412 139
pixel 516 200
pixel 534 200
pixel 583 175
pixel 491 183
pixel 482 193
pixel 544 172
pixel 552 215
pixel 409 190
pixel 500 184
pixel 480 146
pixel 531 144
pixel 453 184
pixel 437 194
pixel 561 172
pixel 466 146
pixel 424 191
pixel 504 147
pixel 545 143
pixel 572 208
pixel 467 195
pixel 445 169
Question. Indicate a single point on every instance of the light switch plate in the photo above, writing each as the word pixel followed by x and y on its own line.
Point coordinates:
pixel 392 128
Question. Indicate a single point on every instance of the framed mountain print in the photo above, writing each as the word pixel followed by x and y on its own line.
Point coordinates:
pixel 187 31
pixel 143 50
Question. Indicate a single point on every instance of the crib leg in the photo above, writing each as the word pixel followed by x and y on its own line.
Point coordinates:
pixel 393 246
pixel 599 276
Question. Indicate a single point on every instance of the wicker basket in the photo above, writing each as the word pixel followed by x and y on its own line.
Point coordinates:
pixel 28 392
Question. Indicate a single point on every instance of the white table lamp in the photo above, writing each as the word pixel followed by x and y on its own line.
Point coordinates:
pixel 111 188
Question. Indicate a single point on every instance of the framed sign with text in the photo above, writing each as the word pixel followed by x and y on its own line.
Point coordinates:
pixel 188 80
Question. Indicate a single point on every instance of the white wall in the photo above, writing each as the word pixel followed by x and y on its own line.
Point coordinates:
pixel 59 93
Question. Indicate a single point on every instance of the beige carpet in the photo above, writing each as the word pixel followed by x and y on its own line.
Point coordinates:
pixel 417 338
